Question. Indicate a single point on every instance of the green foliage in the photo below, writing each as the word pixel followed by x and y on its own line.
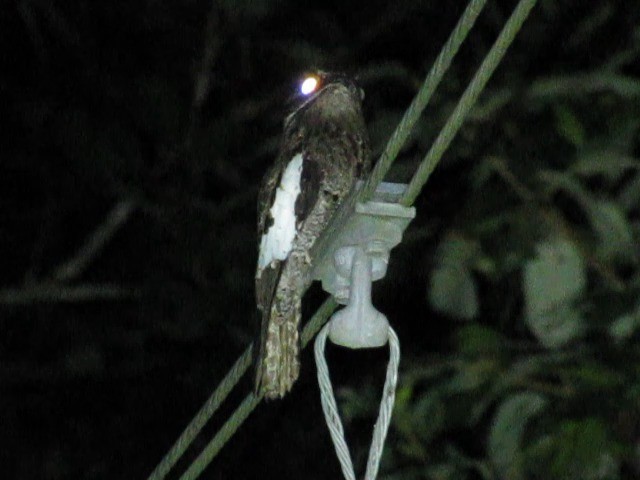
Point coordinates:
pixel 452 289
pixel 542 261
pixel 569 126
pixel 507 431
pixel 528 231
pixel 553 282
pixel 625 326
pixel 578 449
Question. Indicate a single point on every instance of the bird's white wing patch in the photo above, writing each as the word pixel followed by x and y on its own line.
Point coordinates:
pixel 277 241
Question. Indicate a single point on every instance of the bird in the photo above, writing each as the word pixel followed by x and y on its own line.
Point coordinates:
pixel 324 150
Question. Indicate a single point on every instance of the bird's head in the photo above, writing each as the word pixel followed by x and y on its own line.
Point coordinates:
pixel 326 98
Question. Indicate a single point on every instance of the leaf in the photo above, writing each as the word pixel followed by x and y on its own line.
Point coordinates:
pixel 507 430
pixel 557 327
pixel 429 415
pixel 569 126
pixel 565 182
pixel 456 250
pixel 595 376
pixel 624 327
pixel 607 219
pixel 444 471
pixel 582 450
pixel 552 283
pixel 610 164
pixel 613 230
pixel 458 457
pixel 452 288
pixel 472 375
pixel 477 339
pixel 453 291
pixel 556 276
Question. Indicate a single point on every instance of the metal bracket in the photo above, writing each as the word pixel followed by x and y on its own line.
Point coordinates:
pixel 358 256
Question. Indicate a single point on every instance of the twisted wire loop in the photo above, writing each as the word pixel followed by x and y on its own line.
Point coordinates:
pixel 386 408
pixel 332 417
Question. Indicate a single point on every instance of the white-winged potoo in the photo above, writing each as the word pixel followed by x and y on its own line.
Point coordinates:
pixel 323 151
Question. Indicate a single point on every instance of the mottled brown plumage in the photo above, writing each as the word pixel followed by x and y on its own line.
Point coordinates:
pixel 327 130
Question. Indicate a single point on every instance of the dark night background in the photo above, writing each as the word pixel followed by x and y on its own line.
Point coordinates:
pixel 134 137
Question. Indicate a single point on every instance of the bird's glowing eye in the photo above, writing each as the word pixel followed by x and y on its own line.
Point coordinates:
pixel 309 85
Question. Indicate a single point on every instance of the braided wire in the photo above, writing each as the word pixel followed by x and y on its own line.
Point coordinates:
pixel 332 417
pixel 330 408
pixel 386 408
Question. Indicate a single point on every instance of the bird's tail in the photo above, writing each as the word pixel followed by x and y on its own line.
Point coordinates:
pixel 278 364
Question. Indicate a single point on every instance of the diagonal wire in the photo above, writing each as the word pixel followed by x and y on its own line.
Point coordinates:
pixel 217 397
pixel 251 401
pixel 446 135
pixel 386 160
pixel 398 138
pixel 411 116
pixel 203 415
pixel 404 128
pixel 467 100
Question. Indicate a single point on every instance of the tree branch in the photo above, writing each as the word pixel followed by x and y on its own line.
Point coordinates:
pixel 53 293
pixel 116 218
